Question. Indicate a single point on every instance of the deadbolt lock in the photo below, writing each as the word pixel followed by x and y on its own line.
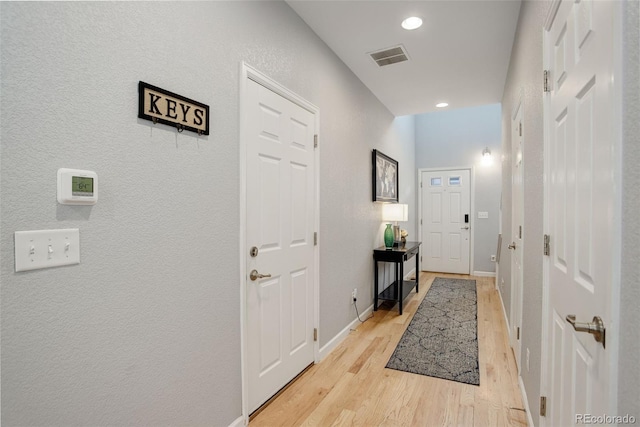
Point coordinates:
pixel 253 252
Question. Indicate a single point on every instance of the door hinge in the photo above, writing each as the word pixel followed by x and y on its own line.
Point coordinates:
pixel 547 83
pixel 547 244
pixel 315 334
pixel 315 238
pixel 543 406
pixel 420 184
pixel 420 222
pixel 315 141
pixel 519 232
pixel 518 333
pixel 520 129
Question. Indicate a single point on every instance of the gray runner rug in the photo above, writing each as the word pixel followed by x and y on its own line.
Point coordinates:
pixel 442 339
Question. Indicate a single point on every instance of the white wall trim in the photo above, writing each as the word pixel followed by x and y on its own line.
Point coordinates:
pixel 551 14
pixel 546 120
pixel 409 274
pixel 484 273
pixel 342 335
pixel 249 73
pixel 472 189
pixel 525 402
pixel 613 337
pixel 238 422
pixel 516 306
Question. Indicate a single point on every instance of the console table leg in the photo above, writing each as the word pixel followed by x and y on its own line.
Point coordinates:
pixel 418 271
pixel 400 286
pixel 375 291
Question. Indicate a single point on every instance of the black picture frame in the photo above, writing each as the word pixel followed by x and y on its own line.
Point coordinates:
pixel 384 178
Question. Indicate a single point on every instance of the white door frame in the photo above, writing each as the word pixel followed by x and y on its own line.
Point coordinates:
pixel 247 73
pixel 613 329
pixel 517 306
pixel 471 208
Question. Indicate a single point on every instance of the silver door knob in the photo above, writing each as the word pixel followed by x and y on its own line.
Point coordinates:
pixel 512 245
pixel 595 327
pixel 254 275
pixel 464 228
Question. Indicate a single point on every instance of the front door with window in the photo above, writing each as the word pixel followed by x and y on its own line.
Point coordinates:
pixel 446 220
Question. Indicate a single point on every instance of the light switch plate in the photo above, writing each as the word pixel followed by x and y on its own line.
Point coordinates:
pixel 483 215
pixel 46 248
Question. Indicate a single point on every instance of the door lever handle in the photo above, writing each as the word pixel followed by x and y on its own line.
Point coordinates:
pixel 255 275
pixel 512 245
pixel 464 228
pixel 595 327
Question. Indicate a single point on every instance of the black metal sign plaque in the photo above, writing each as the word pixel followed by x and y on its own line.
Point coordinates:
pixel 162 106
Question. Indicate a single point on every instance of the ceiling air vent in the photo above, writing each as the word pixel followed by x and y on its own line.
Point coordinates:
pixel 390 56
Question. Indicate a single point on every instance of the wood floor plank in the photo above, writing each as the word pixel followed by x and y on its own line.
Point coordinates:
pixel 352 387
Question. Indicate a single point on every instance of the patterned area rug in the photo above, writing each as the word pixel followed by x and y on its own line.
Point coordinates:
pixel 442 339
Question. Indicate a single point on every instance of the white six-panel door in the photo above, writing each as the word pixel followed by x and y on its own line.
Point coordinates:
pixel 280 225
pixel 446 199
pixel 581 202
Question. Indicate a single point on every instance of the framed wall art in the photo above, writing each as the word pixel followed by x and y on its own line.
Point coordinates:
pixel 385 178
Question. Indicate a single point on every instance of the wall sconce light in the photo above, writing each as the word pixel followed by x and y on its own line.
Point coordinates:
pixel 486 157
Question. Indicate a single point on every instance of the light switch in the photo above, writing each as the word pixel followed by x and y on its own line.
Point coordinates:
pixel 46 248
pixel 483 215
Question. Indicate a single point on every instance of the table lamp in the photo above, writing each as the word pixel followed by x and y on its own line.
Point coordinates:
pixel 395 212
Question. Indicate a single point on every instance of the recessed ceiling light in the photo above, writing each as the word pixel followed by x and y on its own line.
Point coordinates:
pixel 442 105
pixel 411 23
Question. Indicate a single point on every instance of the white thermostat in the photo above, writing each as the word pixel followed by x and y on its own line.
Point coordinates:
pixel 77 187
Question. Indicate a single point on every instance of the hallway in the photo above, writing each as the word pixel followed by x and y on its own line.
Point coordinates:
pixel 352 387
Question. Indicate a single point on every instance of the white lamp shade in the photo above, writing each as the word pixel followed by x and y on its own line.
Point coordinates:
pixel 395 212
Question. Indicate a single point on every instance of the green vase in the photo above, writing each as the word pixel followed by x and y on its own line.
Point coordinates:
pixel 388 236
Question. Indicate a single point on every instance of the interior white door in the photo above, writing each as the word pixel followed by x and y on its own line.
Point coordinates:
pixel 581 203
pixel 517 223
pixel 446 200
pixel 280 180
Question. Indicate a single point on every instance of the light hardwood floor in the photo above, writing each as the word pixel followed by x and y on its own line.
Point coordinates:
pixel 351 386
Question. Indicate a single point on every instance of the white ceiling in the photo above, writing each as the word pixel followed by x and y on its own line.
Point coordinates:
pixel 460 55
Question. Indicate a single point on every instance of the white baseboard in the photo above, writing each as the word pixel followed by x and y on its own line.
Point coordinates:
pixel 335 341
pixel 525 401
pixel 409 274
pixel 238 422
pixel 484 273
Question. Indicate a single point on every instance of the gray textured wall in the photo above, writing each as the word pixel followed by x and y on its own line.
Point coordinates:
pixel 456 138
pixel 146 331
pixel 399 144
pixel 629 369
pixel 524 79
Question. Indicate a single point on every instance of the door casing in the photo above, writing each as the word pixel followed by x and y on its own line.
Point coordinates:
pixel 515 317
pixel 247 72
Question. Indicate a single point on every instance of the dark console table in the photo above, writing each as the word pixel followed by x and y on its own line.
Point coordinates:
pixel 400 288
